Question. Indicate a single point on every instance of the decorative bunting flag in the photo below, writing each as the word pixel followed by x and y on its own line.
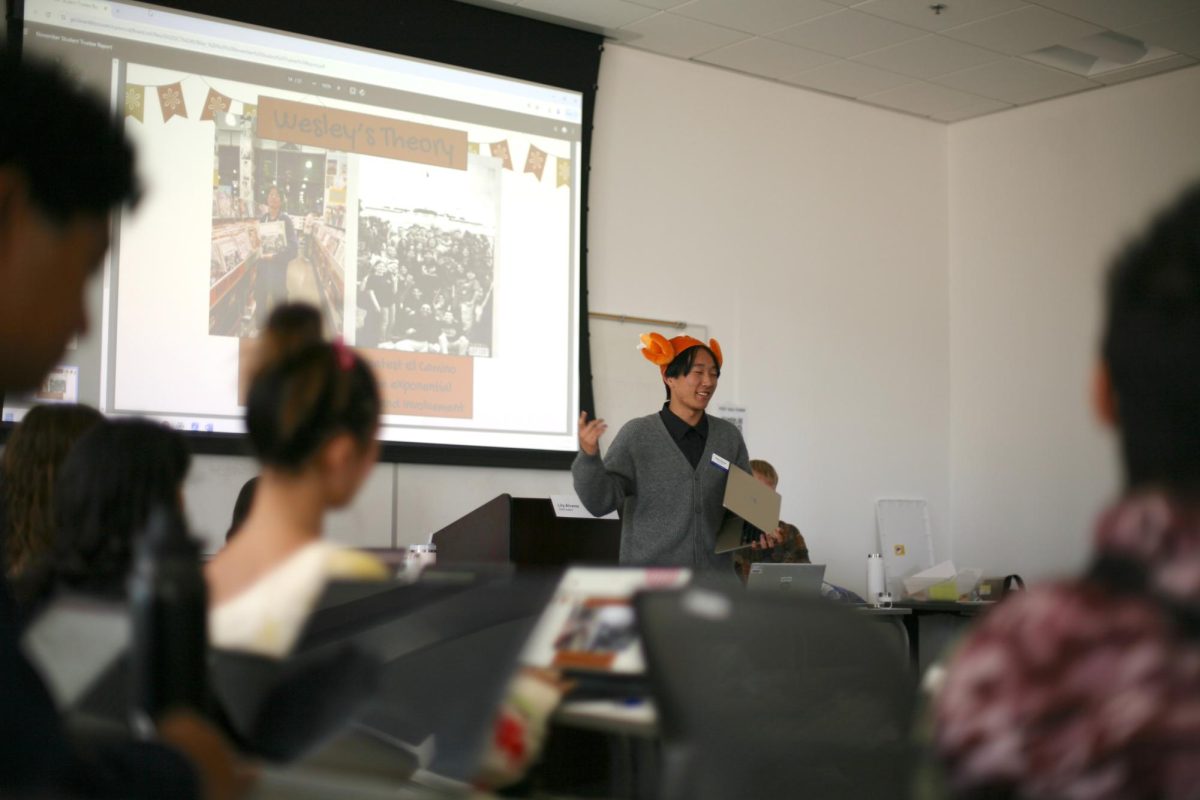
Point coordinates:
pixel 170 97
pixel 215 103
pixel 250 110
pixel 500 150
pixel 473 148
pixel 564 173
pixel 135 101
pixel 535 162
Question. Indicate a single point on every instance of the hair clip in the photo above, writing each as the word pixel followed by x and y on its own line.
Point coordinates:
pixel 345 358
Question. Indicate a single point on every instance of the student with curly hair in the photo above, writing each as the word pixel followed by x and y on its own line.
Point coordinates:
pixel 114 476
pixel 32 458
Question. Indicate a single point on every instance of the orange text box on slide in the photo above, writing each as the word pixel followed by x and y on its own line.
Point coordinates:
pixel 424 384
pixel 410 384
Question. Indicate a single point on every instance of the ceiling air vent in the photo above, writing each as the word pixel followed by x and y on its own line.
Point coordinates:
pixel 1098 54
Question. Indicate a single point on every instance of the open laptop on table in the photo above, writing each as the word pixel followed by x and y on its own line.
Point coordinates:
pixel 802 579
pixel 751 508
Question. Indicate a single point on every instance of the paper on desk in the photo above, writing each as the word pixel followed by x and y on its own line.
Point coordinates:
pixel 921 581
pixel 965 580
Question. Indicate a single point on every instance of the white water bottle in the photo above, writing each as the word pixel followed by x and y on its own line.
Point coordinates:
pixel 875 582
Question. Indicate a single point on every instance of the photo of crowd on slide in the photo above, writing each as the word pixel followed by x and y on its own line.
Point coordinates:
pixel 278 226
pixel 426 257
pixel 424 285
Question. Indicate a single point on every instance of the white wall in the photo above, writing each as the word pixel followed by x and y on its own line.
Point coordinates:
pixel 1040 198
pixel 808 234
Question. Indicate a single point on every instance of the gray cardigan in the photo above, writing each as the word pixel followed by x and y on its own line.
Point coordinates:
pixel 670 513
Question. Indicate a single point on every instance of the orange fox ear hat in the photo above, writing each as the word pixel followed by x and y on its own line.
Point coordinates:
pixel 662 351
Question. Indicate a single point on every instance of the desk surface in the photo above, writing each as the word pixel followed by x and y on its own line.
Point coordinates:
pixel 873 611
pixel 966 607
pixel 297 783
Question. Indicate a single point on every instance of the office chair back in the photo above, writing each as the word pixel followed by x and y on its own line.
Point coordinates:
pixel 766 695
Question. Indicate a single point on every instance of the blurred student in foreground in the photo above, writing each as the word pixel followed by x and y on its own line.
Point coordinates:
pixel 311 415
pixel 1091 688
pixel 55 200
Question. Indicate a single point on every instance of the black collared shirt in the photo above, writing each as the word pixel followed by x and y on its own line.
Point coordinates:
pixel 691 440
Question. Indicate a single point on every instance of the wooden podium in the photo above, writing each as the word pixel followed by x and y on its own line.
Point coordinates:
pixel 524 531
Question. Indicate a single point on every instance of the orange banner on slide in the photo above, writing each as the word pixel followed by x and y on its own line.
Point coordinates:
pixel 349 131
pixel 410 384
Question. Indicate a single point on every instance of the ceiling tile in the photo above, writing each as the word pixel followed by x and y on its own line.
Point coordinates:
pixel 929 56
pixel 849 78
pixel 1143 70
pixel 846 33
pixel 1181 33
pixel 978 109
pixel 755 16
pixel 1023 31
pixel 678 36
pixel 918 13
pixel 925 99
pixel 766 57
pixel 601 13
pixel 1014 81
pixel 1118 14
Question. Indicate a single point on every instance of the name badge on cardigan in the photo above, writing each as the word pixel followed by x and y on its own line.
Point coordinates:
pixel 720 463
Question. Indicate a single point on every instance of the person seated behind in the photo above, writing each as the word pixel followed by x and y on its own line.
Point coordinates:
pixel 791 548
pixel 241 507
pixel 1090 688
pixel 114 475
pixel 28 472
pixel 311 416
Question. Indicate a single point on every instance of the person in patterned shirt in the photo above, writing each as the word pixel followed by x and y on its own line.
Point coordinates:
pixel 1089 689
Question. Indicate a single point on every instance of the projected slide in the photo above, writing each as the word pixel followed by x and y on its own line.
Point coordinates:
pixel 430 213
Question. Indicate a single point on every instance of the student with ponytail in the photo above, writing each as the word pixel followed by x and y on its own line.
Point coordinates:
pixel 311 415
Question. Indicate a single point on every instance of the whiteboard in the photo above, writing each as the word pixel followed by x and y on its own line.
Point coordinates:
pixel 905 539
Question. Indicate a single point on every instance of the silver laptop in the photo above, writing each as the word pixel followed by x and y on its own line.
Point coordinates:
pixel 752 508
pixel 796 578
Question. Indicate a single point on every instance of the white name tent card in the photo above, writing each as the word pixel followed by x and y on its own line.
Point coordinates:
pixel 569 505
